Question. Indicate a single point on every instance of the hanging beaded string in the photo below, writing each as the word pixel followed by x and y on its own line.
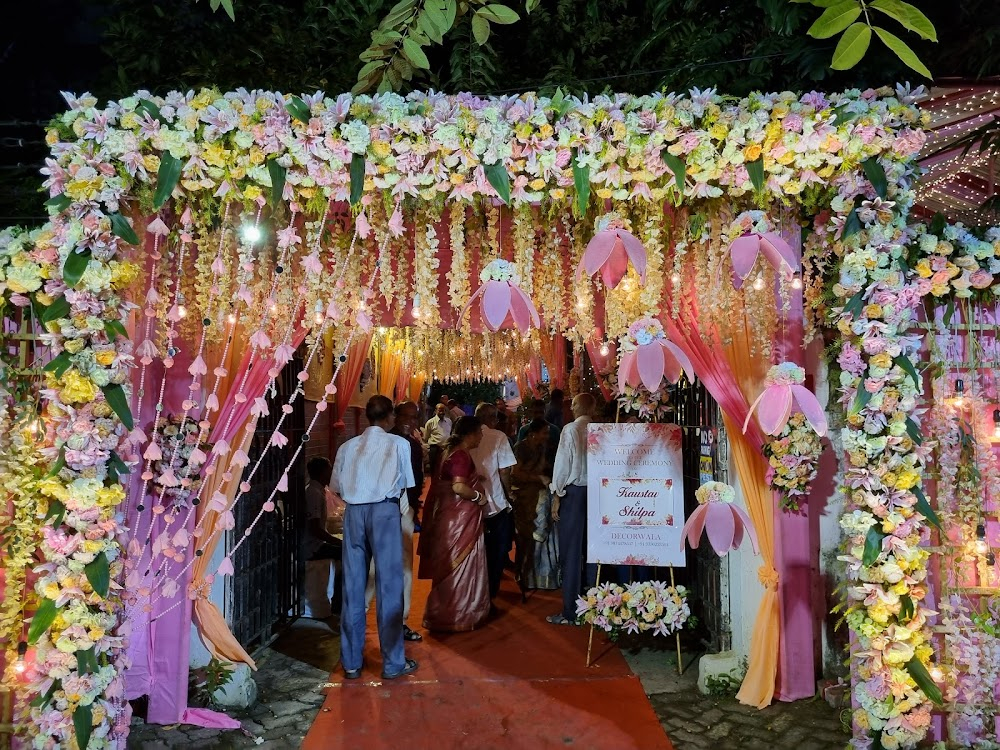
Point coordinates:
pixel 282 484
pixel 245 485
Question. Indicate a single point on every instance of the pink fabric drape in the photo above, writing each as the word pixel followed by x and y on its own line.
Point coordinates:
pixel 350 375
pixel 602 363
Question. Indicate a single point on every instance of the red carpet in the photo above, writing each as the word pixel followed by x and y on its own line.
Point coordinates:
pixel 519 682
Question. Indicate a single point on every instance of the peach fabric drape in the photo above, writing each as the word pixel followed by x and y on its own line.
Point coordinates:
pixel 350 375
pixel 417 382
pixel 215 633
pixel 387 365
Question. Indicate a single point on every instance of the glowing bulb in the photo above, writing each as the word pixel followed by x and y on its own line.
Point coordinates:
pixel 675 278
pixel 936 674
pixel 981 547
pixel 182 311
pixel 273 307
pixel 20 667
pixel 381 330
pixel 251 233
pixel 231 318
pixel 796 282
pixel 318 314
pixel 604 349
pixel 758 283
pixel 416 313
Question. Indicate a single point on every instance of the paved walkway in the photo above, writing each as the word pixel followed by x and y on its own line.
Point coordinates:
pixel 290 696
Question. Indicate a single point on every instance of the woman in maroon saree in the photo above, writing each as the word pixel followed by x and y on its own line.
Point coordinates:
pixel 452 549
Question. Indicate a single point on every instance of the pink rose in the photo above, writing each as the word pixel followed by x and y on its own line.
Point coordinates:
pixel 981 279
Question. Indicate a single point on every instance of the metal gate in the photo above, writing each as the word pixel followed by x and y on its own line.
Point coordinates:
pixel 704 433
pixel 269 569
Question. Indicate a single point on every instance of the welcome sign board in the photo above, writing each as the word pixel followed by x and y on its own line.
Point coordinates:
pixel 635 494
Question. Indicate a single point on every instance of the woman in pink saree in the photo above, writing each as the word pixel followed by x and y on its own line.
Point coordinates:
pixel 452 549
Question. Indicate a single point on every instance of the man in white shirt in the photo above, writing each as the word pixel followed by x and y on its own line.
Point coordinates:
pixel 371 474
pixel 436 433
pixel 455 411
pixel 494 458
pixel 569 503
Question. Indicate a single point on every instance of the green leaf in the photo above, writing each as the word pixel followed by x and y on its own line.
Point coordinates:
pixel 862 399
pixel 913 430
pixel 450 13
pixel 873 546
pixel 116 467
pixel 41 701
pixel 855 303
pixel 480 29
pixel 413 52
pixel 83 723
pixel 755 169
pixel 923 679
pixel 166 178
pixel 852 225
pixel 115 328
pixel 431 22
pixel 298 109
pixel 499 14
pixel 59 203
pixel 498 177
pixel 909 17
pixel 835 19
pixel 42 621
pixel 876 176
pixel 59 464
pixel 949 312
pixel 938 224
pixel 118 402
pixel 903 52
pixel 357 178
pixel 56 511
pixel 560 104
pixel 59 364
pixel 121 227
pixel 677 166
pixel 530 5
pixel 86 661
pixel 75 266
pixel 99 574
pixel 227 5
pixel 581 181
pixel 905 608
pixel 851 47
pixel 58 309
pixel 904 363
pixel 277 173
pixel 147 107
pixel 924 508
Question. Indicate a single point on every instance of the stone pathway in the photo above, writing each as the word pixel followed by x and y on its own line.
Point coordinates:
pixel 290 696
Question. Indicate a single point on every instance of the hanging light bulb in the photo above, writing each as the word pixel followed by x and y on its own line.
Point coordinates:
pixel 182 311
pixel 22 649
pixel 959 393
pixel 231 318
pixel 416 313
pixel 758 283
pixel 381 330
pixel 796 282
pixel 991 558
pixel 981 546
pixel 675 278
pixel 251 233
pixel 318 313
pixel 604 349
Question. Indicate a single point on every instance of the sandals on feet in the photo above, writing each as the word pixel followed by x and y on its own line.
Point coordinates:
pixel 559 620
pixel 409 668
pixel 411 635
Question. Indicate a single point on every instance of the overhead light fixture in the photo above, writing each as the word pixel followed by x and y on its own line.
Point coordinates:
pixel 251 233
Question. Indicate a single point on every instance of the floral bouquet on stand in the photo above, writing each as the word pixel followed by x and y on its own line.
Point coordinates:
pixel 636 608
pixel 793 456
pixel 177 469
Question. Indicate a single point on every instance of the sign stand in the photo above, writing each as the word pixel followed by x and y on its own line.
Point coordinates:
pixel 590 639
pixel 677 634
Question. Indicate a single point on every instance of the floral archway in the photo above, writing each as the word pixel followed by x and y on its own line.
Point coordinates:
pixel 182 224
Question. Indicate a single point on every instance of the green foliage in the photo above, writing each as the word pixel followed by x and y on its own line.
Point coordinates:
pixel 204 682
pixel 724 685
pixel 468 392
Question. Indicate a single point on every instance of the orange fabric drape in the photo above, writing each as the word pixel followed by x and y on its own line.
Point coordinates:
pixel 387 364
pixel 350 375
pixel 749 369
pixel 417 382
pixel 215 633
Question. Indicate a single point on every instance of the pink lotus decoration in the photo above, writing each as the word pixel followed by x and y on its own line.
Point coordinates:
pixel 648 356
pixel 724 521
pixel 501 296
pixel 610 250
pixel 783 389
pixel 755 237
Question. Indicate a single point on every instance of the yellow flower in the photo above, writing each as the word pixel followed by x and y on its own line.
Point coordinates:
pixel 537 184
pixel 110 496
pixel 256 155
pixel 74 346
pixel 752 152
pixel 557 194
pixel 545 131
pixel 252 193
pixel 719 131
pixel 151 162
pixel 873 311
pixel 85 188
pixel 51 137
pixel 907 479
pixel 215 154
pixel 202 100
pixel 123 274
pixel 604 193
pixel 105 359
pixel 77 389
pixel 53 488
pixel 924 268
pixel 381 149
pixel 881 360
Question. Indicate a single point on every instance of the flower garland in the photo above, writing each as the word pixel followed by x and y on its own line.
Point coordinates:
pixel 956 262
pixel 459 288
pixel 793 459
pixel 642 332
pixel 636 608
pixel 182 452
pixel 715 492
pixel 425 272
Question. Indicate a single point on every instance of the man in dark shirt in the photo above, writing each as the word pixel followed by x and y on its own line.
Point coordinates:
pixel 554 414
pixel 537 411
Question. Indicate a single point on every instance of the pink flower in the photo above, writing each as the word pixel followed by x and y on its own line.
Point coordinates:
pixel 981 279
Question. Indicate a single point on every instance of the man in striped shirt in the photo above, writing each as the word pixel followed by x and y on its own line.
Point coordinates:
pixel 372 473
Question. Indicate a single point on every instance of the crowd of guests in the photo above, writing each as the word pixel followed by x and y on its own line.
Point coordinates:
pixel 494 491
